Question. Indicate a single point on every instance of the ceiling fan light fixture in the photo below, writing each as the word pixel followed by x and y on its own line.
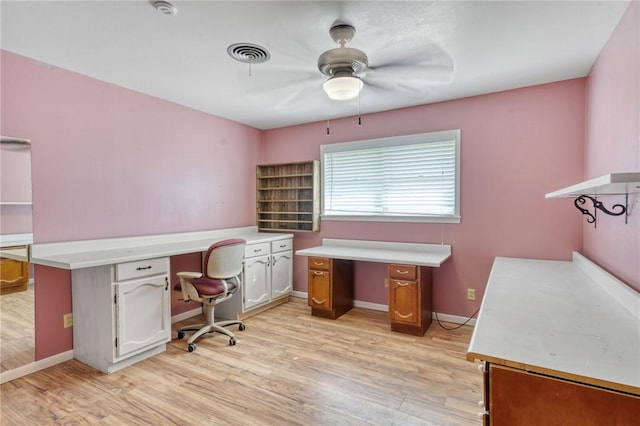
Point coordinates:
pixel 343 88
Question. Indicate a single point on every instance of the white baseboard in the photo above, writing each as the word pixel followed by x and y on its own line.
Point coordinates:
pixel 188 314
pixel 385 308
pixel 7 376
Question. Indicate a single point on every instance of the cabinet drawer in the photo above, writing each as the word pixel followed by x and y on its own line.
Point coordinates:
pixel 255 250
pixel 319 263
pixel 403 272
pixel 282 245
pixel 141 268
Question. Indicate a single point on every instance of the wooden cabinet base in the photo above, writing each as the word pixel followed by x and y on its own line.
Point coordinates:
pixel 330 287
pixel 517 397
pixel 410 298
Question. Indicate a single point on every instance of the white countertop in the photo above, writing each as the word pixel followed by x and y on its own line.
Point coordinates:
pixel 568 319
pixel 381 251
pixel 90 253
pixel 12 240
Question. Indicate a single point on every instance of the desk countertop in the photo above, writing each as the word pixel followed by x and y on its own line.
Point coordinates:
pixel 381 251
pixel 86 254
pixel 560 318
pixel 12 240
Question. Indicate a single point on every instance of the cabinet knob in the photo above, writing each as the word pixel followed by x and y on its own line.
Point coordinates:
pixel 481 368
pixel 402 272
pixel 317 272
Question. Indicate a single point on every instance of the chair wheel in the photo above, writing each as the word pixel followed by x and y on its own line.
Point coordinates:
pixel 241 327
pixel 180 334
pixel 232 342
pixel 191 347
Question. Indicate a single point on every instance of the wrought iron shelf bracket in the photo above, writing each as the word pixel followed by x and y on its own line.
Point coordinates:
pixel 616 209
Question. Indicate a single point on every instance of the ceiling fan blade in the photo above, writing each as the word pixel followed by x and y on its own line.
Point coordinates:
pixel 257 80
pixel 431 65
pixel 396 85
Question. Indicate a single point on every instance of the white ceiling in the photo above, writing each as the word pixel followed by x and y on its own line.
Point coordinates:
pixel 493 46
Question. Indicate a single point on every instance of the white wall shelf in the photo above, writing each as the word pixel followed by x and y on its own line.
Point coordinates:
pixel 611 184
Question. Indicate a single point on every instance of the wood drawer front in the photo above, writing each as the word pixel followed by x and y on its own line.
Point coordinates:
pixel 320 263
pixel 402 272
pixel 142 268
pixel 255 250
pixel 319 296
pixel 13 272
pixel 404 302
pixel 281 245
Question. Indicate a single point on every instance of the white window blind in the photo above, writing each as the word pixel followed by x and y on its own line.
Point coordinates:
pixel 404 177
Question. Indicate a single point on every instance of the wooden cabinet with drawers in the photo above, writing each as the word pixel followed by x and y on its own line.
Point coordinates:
pixel 410 297
pixel 330 291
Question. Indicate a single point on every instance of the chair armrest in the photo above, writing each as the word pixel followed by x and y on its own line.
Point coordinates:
pixel 189 275
pixel 188 291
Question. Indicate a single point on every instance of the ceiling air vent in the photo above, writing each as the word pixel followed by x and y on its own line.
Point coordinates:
pixel 248 53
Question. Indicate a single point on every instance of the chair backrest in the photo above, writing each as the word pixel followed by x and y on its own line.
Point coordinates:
pixel 224 258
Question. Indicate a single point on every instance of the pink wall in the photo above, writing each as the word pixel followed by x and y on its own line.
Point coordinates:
pixel 515 147
pixel 111 162
pixel 612 145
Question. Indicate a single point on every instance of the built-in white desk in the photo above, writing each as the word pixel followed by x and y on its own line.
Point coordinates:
pixel 121 287
pixel 330 284
pixel 86 254
pixel 546 325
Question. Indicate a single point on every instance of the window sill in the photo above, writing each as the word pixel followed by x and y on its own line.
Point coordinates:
pixel 410 219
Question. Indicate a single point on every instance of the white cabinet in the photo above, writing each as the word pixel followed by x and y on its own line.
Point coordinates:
pixel 143 313
pixel 281 269
pixel 257 282
pixel 122 313
pixel 267 276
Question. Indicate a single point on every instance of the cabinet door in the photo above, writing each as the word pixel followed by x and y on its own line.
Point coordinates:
pixel 403 301
pixel 281 274
pixel 319 289
pixel 257 281
pixel 143 313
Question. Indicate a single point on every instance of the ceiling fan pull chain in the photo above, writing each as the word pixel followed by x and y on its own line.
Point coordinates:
pixel 328 132
pixel 359 113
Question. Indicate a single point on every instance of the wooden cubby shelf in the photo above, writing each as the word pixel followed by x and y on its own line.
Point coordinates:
pixel 288 197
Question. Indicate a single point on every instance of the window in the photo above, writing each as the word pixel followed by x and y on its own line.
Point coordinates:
pixel 405 178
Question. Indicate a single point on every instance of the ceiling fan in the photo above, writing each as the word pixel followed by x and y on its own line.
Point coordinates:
pixel 349 71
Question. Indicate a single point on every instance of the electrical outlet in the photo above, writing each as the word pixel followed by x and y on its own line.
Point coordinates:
pixel 471 294
pixel 68 320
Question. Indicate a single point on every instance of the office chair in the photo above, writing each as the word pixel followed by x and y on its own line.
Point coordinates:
pixel 221 279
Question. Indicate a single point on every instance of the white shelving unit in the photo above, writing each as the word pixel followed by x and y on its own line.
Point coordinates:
pixel 611 184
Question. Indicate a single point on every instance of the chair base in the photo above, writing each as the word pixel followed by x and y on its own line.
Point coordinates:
pixel 202 329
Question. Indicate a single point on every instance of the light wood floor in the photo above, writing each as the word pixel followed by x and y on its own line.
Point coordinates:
pixel 17 329
pixel 288 368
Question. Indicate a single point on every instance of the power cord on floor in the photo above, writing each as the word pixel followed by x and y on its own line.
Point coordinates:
pixel 457 327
